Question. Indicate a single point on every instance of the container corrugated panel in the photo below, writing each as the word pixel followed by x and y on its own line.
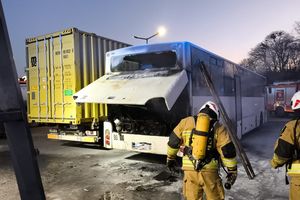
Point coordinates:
pixel 60 64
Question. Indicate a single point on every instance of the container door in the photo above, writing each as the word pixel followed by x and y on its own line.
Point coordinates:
pixel 44 89
pixel 62 82
pixel 38 86
pixel 238 105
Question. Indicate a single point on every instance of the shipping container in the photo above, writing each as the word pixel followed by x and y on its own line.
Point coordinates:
pixel 58 65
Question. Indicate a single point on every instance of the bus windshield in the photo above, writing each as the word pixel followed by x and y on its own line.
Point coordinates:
pixel 146 61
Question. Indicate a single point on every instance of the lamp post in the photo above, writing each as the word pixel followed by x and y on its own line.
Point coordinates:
pixel 146 39
pixel 161 31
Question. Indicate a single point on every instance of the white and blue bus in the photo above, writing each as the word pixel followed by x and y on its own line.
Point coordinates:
pixel 149 88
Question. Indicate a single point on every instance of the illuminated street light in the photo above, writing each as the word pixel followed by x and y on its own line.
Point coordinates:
pixel 160 32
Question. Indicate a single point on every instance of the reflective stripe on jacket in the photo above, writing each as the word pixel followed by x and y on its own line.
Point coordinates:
pixel 295 169
pixel 284 149
pixel 180 137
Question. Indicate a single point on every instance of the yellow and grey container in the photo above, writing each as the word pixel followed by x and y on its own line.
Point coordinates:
pixel 60 64
pixel 200 136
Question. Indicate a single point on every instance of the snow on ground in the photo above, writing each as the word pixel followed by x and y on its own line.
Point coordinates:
pixel 268 183
pixel 77 172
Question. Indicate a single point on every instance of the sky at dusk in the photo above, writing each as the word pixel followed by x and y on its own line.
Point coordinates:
pixel 229 28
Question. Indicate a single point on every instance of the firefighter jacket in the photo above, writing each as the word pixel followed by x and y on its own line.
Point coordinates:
pixel 287 148
pixel 222 144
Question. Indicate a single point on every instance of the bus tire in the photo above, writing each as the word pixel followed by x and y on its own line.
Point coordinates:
pixel 279 112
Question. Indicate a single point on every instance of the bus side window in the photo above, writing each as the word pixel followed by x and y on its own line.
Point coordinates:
pixel 217 73
pixel 228 86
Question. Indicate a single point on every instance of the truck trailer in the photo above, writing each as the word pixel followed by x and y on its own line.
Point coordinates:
pixel 150 88
pixel 58 65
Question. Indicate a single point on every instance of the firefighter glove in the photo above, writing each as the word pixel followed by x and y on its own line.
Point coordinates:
pixel 172 164
pixel 275 164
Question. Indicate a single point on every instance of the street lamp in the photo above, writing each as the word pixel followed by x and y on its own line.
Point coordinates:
pixel 161 31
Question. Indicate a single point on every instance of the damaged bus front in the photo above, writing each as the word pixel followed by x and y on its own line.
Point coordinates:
pixel 146 90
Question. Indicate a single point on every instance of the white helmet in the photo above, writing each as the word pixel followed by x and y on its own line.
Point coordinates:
pixel 295 102
pixel 212 106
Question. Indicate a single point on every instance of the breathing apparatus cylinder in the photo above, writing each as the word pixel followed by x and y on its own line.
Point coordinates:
pixel 200 136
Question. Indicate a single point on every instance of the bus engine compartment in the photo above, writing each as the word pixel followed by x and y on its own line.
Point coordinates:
pixel 152 119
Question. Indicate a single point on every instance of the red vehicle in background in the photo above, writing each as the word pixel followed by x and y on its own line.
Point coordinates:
pixel 279 96
pixel 23 86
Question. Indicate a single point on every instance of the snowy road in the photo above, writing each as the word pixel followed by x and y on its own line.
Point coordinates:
pixel 75 172
pixel 269 184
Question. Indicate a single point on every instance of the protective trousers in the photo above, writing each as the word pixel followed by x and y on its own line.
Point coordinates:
pixel 209 182
pixel 295 188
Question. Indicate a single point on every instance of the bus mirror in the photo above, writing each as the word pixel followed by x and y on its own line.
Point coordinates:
pixel 270 90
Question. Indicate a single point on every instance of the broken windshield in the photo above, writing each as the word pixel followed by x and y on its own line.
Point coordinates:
pixel 147 61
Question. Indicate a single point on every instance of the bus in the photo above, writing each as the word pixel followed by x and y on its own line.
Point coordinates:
pixel 149 88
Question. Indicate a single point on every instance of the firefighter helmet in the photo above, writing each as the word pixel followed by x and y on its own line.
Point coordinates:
pixel 295 102
pixel 212 106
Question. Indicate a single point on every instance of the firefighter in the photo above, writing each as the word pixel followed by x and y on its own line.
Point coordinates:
pixel 203 140
pixel 287 149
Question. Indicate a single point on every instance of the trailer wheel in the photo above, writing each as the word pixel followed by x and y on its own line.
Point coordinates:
pixel 279 112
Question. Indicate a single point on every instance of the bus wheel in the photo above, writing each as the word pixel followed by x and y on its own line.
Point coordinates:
pixel 279 112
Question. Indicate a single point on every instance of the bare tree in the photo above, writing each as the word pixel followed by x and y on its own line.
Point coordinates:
pixel 278 52
pixel 297 27
pixel 254 65
pixel 294 61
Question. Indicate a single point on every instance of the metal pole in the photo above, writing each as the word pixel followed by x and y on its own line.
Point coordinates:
pixel 146 39
pixel 13 114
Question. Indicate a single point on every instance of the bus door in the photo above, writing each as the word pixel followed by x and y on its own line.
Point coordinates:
pixel 238 106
